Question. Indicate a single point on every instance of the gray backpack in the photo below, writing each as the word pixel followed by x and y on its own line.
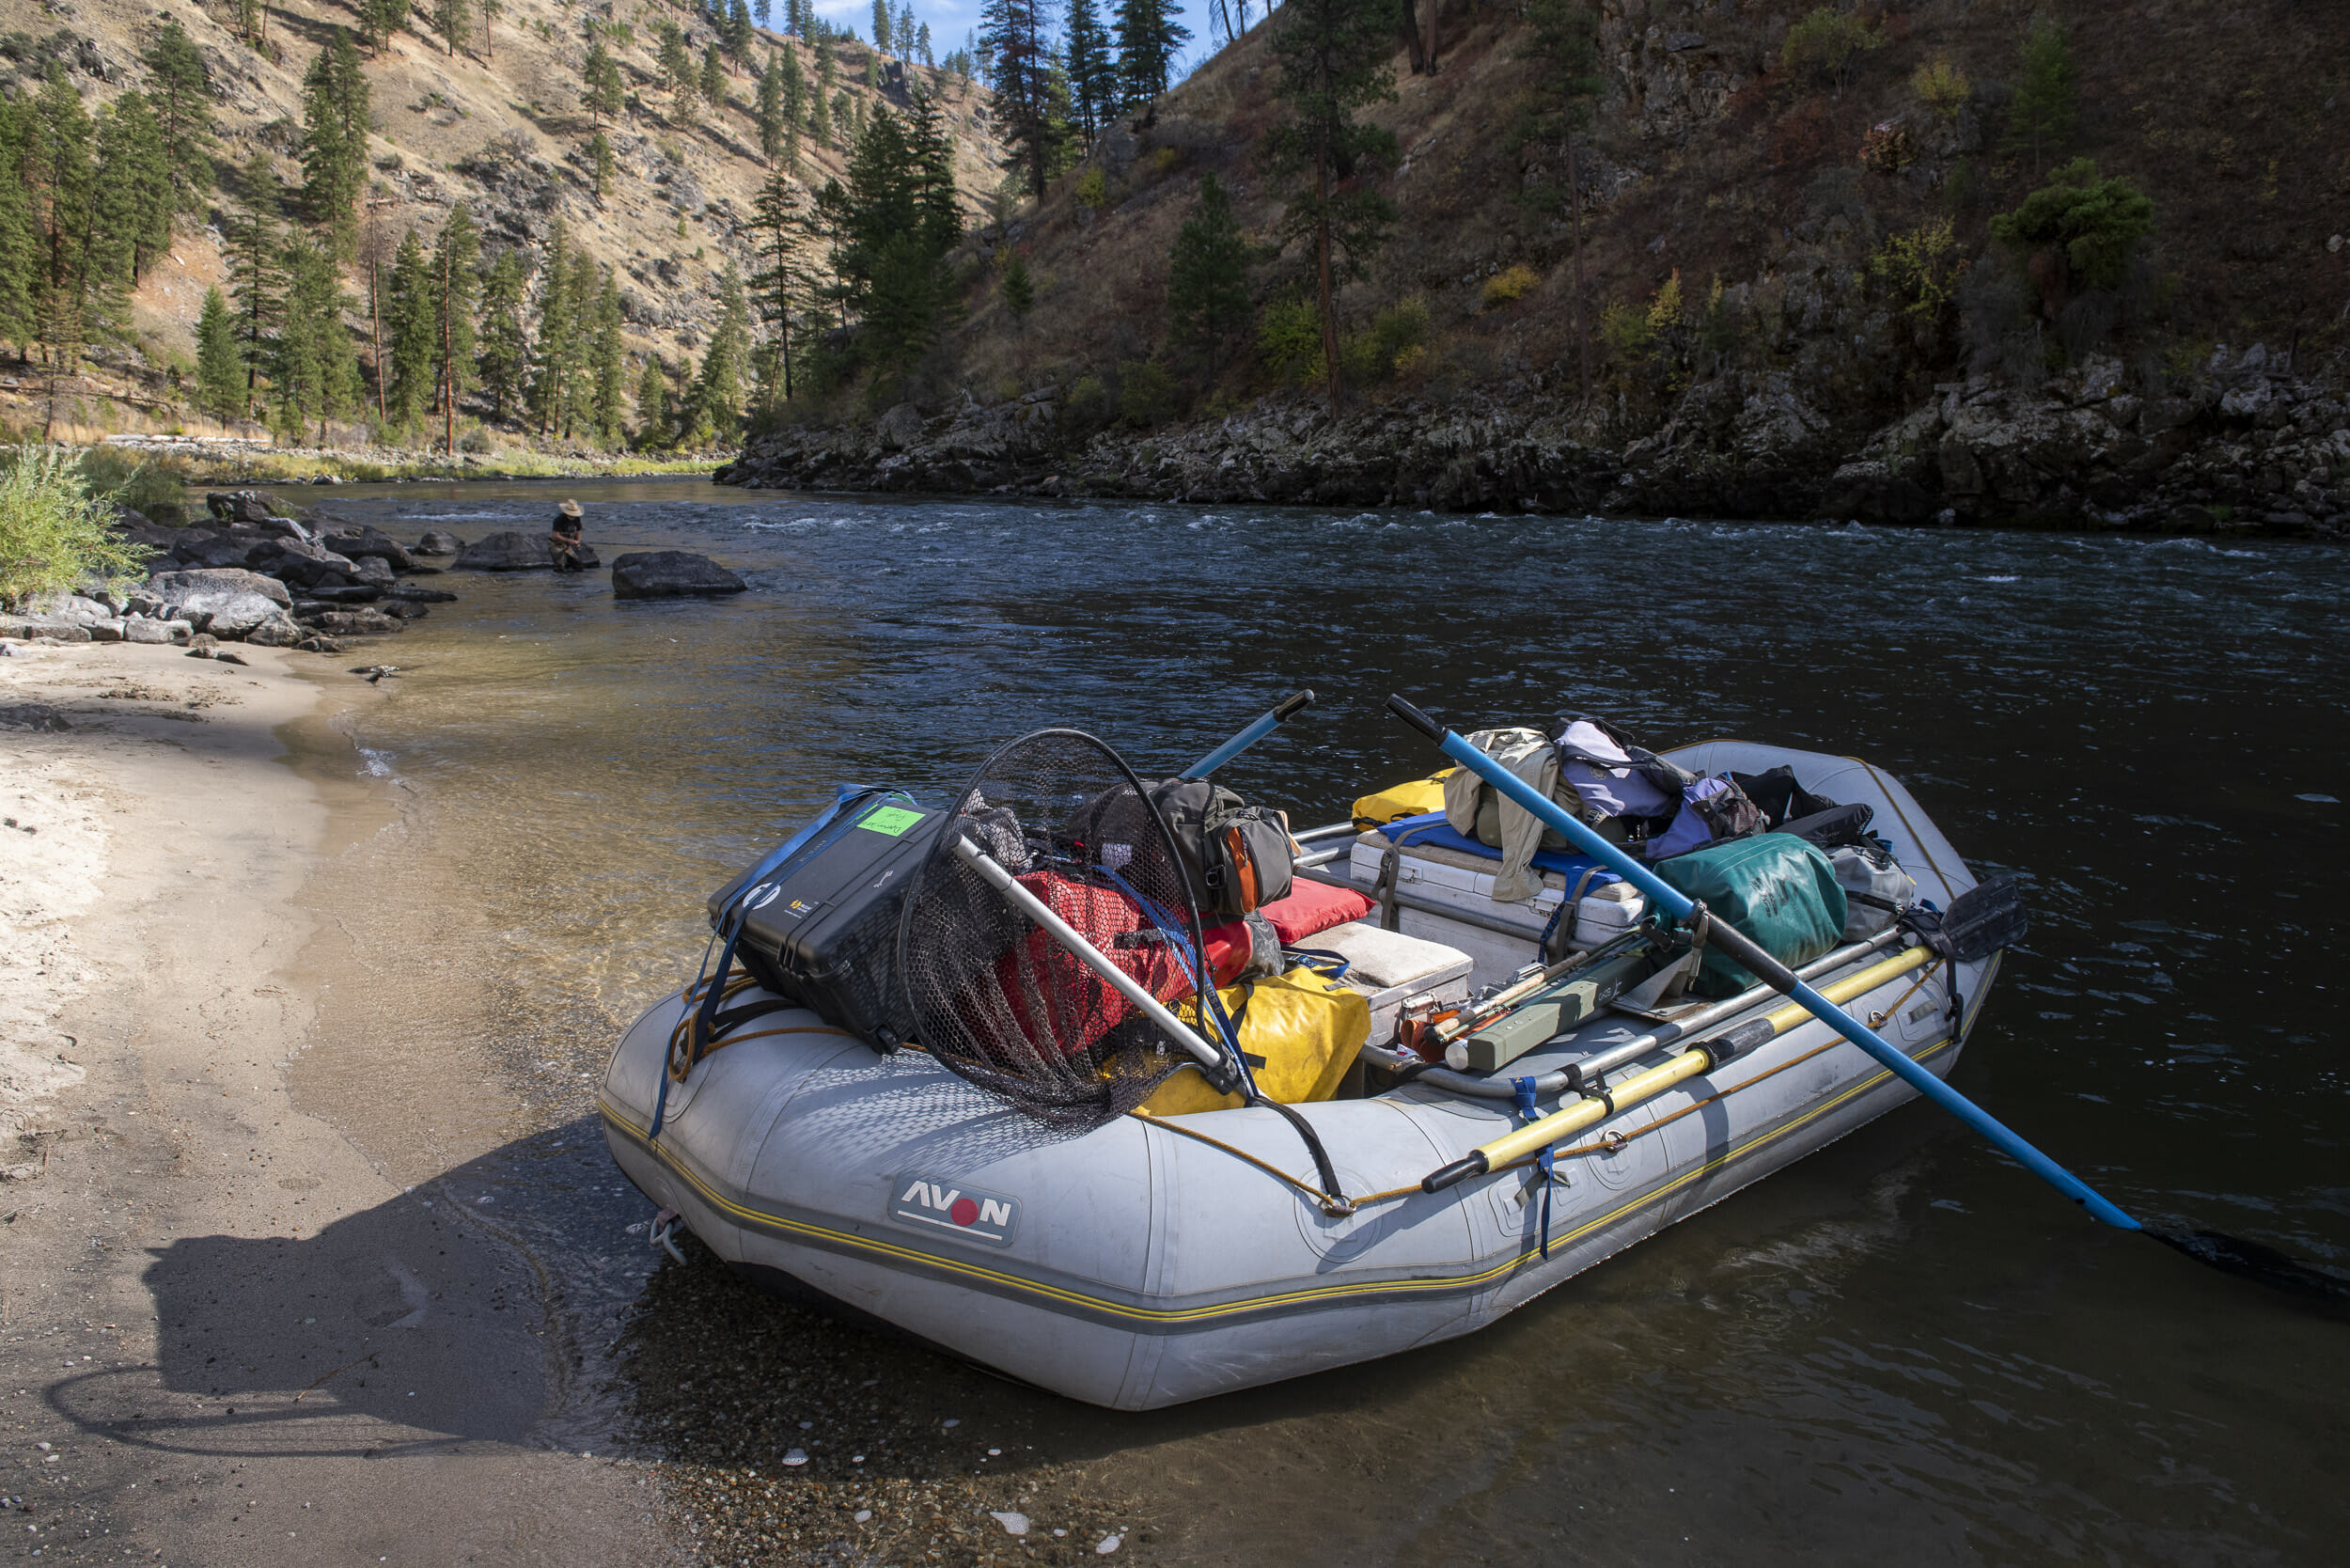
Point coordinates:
pixel 1236 856
pixel 1876 890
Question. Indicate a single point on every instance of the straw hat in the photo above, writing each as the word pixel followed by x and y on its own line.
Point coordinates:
pixel 569 508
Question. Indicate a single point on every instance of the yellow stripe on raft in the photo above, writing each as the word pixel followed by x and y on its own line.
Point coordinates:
pixel 1689 1064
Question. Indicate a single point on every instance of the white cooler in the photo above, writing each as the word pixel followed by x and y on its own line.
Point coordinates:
pixel 1454 879
pixel 1388 966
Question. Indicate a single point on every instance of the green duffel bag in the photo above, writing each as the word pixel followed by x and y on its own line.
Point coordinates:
pixel 1777 888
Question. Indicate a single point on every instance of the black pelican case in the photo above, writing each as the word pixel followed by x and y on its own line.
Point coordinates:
pixel 827 935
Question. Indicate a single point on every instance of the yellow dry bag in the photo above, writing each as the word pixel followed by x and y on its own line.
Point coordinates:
pixel 1300 1033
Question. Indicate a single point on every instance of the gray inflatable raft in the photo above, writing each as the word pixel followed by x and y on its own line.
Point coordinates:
pixel 1152 1261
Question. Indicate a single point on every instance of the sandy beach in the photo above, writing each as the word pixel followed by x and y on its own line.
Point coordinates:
pixel 228 1334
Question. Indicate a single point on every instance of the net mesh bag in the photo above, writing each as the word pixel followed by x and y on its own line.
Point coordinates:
pixel 993 995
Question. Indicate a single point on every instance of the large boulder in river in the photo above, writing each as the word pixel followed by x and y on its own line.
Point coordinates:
pixel 670 575
pixel 363 544
pixel 301 563
pixel 243 505
pixel 227 602
pixel 516 551
pixel 437 541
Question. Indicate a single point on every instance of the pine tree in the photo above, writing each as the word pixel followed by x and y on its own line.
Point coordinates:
pixel 181 98
pixel 922 45
pixel 718 397
pixel 579 377
pixel 677 70
pixel 1149 40
pixel 820 116
pixel 902 29
pixel 1092 73
pixel 490 11
pixel 714 80
pixel 738 32
pixel 409 312
pixel 601 92
pixel 653 404
pixel 780 221
pixel 377 21
pixel 505 357
pixel 335 140
pixel 761 10
pixel 219 371
pixel 1207 282
pixel 255 278
pixel 558 328
pixel 770 117
pixel 2046 97
pixel 455 289
pixel 1333 60
pixel 18 255
pixel 1019 290
pixel 56 167
pixel 134 197
pixel 317 374
pixel 600 158
pixel 453 20
pixel 1013 33
pixel 882 23
pixel 605 361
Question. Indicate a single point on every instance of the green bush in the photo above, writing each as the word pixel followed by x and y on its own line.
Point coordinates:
pixel 1387 344
pixel 1625 330
pixel 53 531
pixel 1089 405
pixel 1146 394
pixel 1289 339
pixel 1829 42
pixel 1093 189
pixel 2093 223
pixel 156 490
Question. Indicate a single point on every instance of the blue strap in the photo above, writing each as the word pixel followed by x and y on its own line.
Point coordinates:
pixel 766 875
pixel 1522 1092
pixel 1202 983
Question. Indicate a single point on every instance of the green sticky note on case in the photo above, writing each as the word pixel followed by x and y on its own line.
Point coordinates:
pixel 892 820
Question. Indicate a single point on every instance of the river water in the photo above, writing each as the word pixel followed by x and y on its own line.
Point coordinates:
pixel 1903 1348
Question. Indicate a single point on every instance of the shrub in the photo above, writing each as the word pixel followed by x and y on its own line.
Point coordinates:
pixel 158 492
pixel 1289 339
pixel 2091 224
pixel 1941 86
pixel 478 441
pixel 1378 350
pixel 1921 268
pixel 1664 306
pixel 1829 42
pixel 1093 189
pixel 53 531
pixel 1625 330
pixel 1146 394
pixel 1088 406
pixel 1508 287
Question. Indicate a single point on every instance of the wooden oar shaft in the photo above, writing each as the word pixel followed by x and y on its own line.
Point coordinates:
pixel 1698 1060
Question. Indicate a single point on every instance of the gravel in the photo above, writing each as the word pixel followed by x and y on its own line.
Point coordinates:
pixel 780 1435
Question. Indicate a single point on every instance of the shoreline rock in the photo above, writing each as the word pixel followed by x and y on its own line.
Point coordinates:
pixel 516 551
pixel 2247 450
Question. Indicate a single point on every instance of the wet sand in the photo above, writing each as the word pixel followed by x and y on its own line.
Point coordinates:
pixel 228 1333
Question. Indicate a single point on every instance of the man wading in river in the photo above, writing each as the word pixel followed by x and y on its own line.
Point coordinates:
pixel 563 539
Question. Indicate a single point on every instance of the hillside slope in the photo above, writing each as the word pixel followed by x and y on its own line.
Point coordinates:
pixel 1739 218
pixel 500 126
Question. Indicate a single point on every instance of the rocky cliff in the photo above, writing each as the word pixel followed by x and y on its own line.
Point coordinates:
pixel 1748 219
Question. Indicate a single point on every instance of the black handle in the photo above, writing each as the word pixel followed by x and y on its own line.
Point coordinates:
pixel 1472 1163
pixel 1420 722
pixel 1292 704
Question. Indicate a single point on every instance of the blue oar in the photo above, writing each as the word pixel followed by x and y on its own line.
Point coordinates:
pixel 2226 1252
pixel 1250 736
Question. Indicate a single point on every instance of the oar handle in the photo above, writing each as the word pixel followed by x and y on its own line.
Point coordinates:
pixel 1286 709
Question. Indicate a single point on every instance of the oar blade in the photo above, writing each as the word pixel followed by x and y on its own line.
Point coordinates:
pixel 2249 1260
pixel 1986 918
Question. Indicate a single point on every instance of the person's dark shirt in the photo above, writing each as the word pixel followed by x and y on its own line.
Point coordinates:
pixel 568 526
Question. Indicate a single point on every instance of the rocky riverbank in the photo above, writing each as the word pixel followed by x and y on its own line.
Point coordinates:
pixel 262 572
pixel 2245 449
